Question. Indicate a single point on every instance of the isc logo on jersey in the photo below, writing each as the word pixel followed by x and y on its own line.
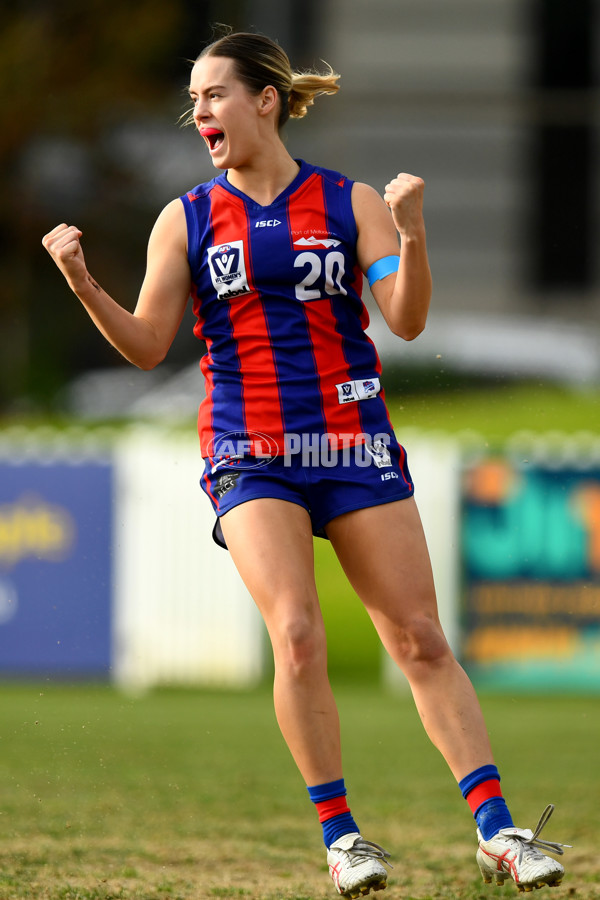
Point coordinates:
pixel 228 270
pixel 267 223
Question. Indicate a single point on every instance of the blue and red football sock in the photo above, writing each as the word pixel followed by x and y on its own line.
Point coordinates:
pixel 332 808
pixel 481 790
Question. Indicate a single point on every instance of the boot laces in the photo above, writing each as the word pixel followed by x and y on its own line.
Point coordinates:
pixel 362 848
pixel 533 841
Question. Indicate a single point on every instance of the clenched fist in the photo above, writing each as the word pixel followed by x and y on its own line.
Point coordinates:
pixel 404 196
pixel 63 244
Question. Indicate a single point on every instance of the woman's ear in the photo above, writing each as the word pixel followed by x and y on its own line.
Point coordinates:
pixel 267 100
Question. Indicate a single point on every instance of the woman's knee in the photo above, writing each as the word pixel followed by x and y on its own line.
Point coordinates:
pixel 418 640
pixel 299 645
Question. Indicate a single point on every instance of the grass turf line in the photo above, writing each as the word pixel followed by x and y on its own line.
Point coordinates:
pixel 192 794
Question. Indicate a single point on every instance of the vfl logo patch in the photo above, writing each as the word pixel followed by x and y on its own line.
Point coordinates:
pixel 313 241
pixel 228 270
pixel 226 483
pixel 380 453
pixel 361 389
pixel 347 392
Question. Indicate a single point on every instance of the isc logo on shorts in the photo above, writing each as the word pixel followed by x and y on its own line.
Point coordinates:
pixel 228 269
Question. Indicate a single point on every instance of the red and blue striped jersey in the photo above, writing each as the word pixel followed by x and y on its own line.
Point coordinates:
pixel 277 296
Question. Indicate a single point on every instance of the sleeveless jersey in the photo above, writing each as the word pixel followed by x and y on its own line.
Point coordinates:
pixel 277 295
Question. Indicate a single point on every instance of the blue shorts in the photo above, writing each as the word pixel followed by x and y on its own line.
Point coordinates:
pixel 325 485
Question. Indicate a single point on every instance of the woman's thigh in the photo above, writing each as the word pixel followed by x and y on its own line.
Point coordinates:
pixel 383 552
pixel 271 544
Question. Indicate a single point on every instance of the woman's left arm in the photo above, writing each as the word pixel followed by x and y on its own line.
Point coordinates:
pixel 403 296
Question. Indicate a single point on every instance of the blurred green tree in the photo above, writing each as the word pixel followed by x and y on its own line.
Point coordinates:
pixel 68 70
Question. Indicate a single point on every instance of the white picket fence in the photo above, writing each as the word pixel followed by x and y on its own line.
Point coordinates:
pixel 182 614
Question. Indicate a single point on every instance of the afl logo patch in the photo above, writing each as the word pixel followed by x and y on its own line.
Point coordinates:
pixel 224 248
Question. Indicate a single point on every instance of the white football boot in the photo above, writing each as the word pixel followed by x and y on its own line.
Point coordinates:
pixel 516 853
pixel 355 865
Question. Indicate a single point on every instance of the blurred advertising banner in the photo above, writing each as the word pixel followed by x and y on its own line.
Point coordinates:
pixel 55 568
pixel 531 564
pixel 108 569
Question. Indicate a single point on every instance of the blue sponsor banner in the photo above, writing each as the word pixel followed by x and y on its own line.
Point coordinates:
pixel 531 563
pixel 55 568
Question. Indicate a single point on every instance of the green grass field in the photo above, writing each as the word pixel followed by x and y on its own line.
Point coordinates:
pixel 192 795
pixel 496 411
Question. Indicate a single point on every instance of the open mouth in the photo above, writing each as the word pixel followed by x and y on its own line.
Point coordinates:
pixel 213 137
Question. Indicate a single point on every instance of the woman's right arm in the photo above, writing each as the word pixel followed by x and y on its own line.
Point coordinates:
pixel 144 336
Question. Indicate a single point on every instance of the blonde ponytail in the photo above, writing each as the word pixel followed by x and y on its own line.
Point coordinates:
pixel 260 61
pixel 308 85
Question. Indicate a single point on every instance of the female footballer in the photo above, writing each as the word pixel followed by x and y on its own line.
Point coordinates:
pixel 294 428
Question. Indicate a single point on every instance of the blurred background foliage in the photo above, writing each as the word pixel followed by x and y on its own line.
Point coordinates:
pixel 71 75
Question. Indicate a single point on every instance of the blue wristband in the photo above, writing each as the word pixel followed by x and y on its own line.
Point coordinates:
pixel 382 267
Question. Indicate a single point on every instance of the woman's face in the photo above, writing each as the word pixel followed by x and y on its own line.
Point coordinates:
pixel 225 112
